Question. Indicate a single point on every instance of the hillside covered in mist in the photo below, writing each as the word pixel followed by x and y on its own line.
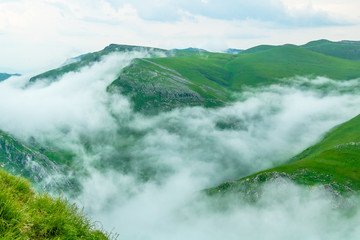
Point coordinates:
pixel 187 144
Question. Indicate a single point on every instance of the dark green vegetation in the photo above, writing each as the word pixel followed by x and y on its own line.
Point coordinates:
pixel 4 76
pixel 333 162
pixel 25 214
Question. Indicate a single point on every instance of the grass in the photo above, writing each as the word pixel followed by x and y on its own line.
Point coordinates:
pixel 25 214
pixel 344 49
pixel 190 78
pixel 88 59
pixel 209 79
pixel 260 68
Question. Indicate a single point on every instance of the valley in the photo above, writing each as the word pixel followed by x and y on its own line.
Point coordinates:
pixel 133 132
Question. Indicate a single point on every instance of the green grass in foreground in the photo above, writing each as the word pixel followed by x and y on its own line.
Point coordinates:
pixel 25 214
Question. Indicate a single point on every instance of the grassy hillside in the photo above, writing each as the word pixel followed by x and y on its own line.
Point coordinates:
pixel 268 66
pixel 88 59
pixel 333 162
pixel 261 68
pixel 343 49
pixel 189 78
pixel 258 48
pixel 27 215
pixel 181 81
pixel 210 78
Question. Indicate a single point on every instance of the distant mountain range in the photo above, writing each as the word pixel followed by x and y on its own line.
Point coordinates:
pixel 189 78
pixel 4 76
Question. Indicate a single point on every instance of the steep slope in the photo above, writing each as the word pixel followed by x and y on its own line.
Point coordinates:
pixel 27 215
pixel 333 162
pixel 153 85
pixel 19 159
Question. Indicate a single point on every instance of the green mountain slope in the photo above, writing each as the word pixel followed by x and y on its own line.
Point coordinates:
pixel 260 68
pixel 188 78
pixel 268 66
pixel 333 162
pixel 90 58
pixel 165 83
pixel 343 49
pixel 209 79
pixel 258 48
pixel 27 215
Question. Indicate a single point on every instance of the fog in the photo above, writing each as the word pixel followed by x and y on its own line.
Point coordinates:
pixel 146 172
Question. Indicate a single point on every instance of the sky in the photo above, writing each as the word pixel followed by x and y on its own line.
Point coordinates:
pixel 36 35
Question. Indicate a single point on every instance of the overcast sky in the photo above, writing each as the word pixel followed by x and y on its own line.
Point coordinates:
pixel 36 35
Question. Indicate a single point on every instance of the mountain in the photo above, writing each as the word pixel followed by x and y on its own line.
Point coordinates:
pixel 165 80
pixel 209 80
pixel 334 162
pixel 187 78
pixel 90 58
pixel 4 76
